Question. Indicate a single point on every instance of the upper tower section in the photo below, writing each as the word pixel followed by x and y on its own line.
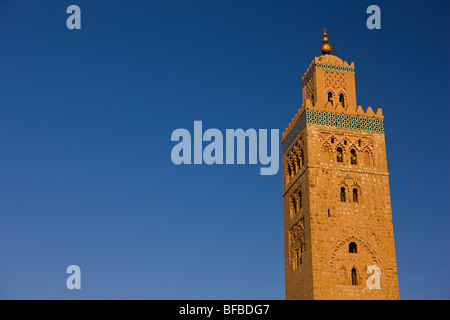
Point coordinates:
pixel 329 82
pixel 329 94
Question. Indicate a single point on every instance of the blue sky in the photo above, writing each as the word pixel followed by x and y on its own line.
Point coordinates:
pixel 86 117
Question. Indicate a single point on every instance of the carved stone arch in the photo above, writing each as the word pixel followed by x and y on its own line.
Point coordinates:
pixel 299 197
pixel 297 242
pixel 325 152
pixel 341 145
pixel 299 160
pixel 343 275
pixel 336 152
pixel 344 94
pixel 299 143
pixel 361 243
pixel 358 274
pixel 291 157
pixel 367 157
pixel 356 186
pixel 343 197
pixel 292 206
pixel 353 154
pixel 333 138
pixel 333 96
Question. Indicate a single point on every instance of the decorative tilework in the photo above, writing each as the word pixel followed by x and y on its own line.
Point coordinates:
pixel 334 67
pixel 331 119
pixel 325 66
pixel 292 135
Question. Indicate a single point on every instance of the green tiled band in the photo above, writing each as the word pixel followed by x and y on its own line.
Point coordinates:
pixel 341 120
pixel 333 67
pixel 331 119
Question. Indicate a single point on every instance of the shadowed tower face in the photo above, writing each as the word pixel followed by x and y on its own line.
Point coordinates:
pixel 338 233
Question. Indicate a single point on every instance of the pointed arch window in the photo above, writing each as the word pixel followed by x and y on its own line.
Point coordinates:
pixel 300 158
pixel 339 155
pixel 294 205
pixel 355 195
pixel 341 98
pixel 354 277
pixel 330 97
pixel 353 157
pixel 342 194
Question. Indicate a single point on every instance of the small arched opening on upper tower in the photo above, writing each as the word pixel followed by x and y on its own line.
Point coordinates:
pixel 353 157
pixel 341 99
pixel 339 155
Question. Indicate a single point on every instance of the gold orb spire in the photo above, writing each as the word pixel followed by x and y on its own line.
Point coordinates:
pixel 325 48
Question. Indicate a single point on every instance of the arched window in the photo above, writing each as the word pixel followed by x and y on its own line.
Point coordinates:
pixel 312 99
pixel 353 157
pixel 299 199
pixel 294 204
pixel 341 99
pixel 355 195
pixel 342 194
pixel 330 97
pixel 300 159
pixel 352 247
pixel 354 277
pixel 288 174
pixel 339 155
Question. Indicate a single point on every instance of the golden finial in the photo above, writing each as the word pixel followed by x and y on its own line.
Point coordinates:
pixel 325 48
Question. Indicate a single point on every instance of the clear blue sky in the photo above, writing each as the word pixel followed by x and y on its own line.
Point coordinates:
pixel 86 117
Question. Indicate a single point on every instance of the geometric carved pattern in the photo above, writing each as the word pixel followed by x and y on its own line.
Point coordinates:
pixel 297 241
pixel 331 119
pixel 325 66
pixel 334 80
pixel 294 160
pixel 309 89
pixel 342 247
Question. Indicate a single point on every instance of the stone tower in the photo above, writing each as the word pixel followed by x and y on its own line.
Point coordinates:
pixel 338 233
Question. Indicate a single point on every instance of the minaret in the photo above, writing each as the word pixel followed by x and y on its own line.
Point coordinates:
pixel 339 240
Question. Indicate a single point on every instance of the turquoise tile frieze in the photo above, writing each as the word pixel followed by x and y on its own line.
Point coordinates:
pixel 334 67
pixel 331 119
